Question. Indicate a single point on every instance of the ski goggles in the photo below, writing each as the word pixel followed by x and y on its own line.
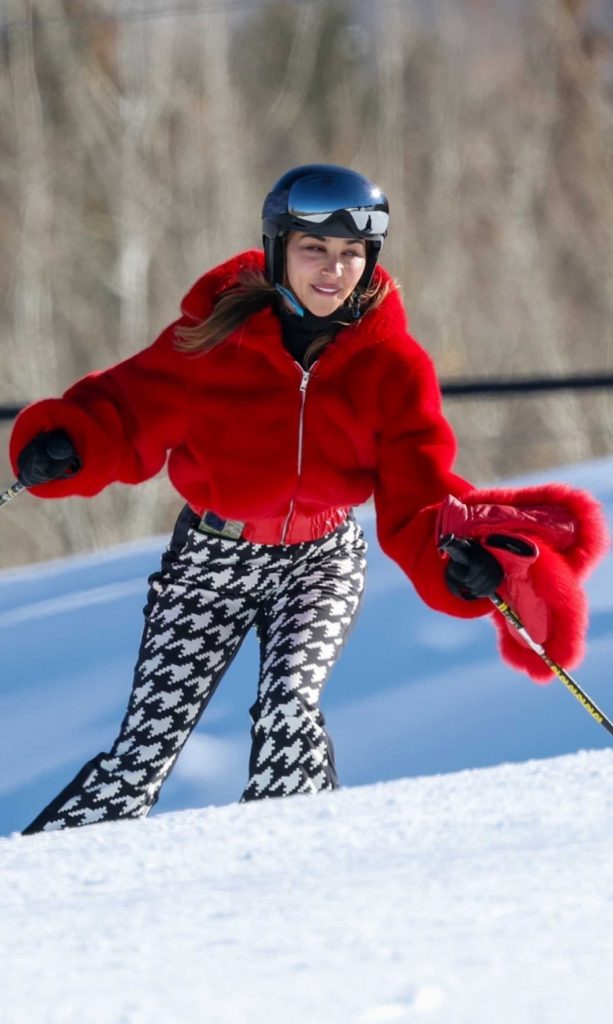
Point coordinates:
pixel 365 222
pixel 316 200
pixel 336 201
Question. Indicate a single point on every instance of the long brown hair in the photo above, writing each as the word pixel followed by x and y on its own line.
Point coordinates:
pixel 254 293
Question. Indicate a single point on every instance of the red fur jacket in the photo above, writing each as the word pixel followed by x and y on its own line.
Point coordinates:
pixel 228 423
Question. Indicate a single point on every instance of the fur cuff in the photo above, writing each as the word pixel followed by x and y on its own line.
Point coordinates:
pixel 552 507
pixel 569 531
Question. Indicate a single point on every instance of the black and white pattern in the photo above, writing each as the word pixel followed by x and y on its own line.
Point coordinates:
pixel 209 592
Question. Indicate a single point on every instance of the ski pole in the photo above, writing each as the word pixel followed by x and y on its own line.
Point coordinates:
pixel 11 492
pixel 565 677
pixel 453 547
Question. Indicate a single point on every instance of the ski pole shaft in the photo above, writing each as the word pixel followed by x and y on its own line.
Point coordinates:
pixel 11 492
pixel 571 684
pixel 456 548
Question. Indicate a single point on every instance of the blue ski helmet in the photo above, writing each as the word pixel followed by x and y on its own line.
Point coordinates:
pixel 328 200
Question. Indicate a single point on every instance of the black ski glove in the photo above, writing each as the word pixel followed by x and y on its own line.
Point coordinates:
pixel 472 571
pixel 48 456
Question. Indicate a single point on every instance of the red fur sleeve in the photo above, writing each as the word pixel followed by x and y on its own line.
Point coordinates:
pixel 568 530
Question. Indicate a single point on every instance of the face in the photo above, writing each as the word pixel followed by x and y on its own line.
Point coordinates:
pixel 322 272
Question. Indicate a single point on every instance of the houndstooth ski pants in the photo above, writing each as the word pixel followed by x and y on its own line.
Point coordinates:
pixel 209 592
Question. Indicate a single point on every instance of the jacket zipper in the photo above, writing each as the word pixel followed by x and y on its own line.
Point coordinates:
pixel 306 376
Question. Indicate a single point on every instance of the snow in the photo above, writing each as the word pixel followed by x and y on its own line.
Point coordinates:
pixel 464 873
pixel 433 899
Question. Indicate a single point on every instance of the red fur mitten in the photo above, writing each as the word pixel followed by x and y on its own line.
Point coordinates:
pixel 562 534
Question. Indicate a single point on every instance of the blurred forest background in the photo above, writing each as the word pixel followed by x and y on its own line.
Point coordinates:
pixel 140 136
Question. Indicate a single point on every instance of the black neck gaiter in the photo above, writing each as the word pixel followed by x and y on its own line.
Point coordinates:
pixel 301 331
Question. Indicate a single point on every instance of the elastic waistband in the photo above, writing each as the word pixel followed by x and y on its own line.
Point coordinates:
pixel 294 528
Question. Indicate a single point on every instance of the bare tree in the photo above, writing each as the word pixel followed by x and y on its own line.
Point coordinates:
pixel 138 145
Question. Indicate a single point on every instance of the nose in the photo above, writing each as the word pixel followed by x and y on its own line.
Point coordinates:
pixel 333 265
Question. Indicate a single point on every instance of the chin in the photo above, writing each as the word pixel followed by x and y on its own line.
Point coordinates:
pixel 323 308
pixel 323 312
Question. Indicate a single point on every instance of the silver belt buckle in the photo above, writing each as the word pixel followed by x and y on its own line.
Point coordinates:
pixel 212 523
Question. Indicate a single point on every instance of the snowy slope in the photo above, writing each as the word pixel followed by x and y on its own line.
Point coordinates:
pixel 414 693
pixel 471 898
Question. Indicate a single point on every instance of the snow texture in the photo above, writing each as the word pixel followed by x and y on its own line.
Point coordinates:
pixel 458 899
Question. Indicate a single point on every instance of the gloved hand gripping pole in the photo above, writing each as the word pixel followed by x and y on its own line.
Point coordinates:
pixel 48 456
pixel 455 547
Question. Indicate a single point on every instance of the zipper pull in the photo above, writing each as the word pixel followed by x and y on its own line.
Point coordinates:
pixel 305 380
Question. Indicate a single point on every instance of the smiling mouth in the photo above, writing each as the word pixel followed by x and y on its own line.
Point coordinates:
pixel 325 291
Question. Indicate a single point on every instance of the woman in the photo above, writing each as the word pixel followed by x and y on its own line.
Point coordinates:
pixel 288 392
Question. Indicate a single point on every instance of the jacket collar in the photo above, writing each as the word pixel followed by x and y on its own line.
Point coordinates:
pixel 385 325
